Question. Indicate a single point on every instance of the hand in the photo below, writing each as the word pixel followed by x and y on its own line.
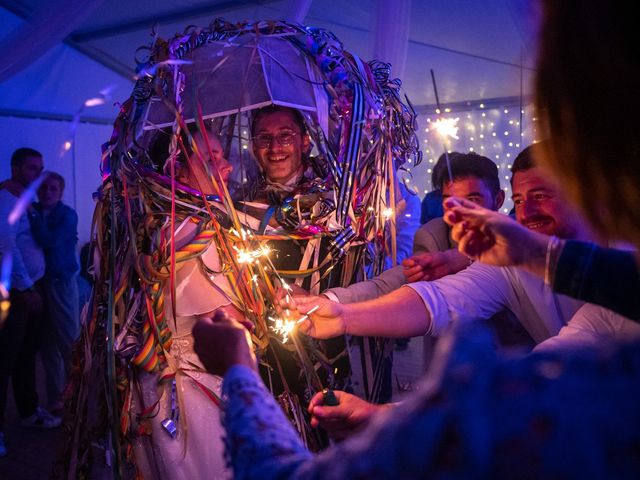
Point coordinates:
pixel 326 321
pixel 221 343
pixel 339 421
pixel 234 314
pixel 491 237
pixel 430 266
pixel 14 187
pixel 298 291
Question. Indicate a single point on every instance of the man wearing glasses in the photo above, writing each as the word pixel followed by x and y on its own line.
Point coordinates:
pixel 280 143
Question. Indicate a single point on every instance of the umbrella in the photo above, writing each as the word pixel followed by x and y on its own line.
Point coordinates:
pixel 238 75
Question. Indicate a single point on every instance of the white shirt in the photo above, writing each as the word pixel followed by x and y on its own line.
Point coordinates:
pixel 481 291
pixel 28 257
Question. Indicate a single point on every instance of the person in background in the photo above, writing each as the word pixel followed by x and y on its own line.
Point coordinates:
pixel 54 226
pixel 20 335
pixel 431 206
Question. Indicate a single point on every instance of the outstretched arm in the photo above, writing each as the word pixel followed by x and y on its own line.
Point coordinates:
pixel 398 314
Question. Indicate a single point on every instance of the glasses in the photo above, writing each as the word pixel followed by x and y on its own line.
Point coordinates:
pixel 284 139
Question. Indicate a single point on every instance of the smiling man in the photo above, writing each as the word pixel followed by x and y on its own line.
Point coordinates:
pixel 538 202
pixel 280 144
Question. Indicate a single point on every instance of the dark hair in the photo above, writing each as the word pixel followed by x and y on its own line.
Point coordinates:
pixel 21 154
pixel 469 165
pixel 270 109
pixel 526 159
pixel 587 79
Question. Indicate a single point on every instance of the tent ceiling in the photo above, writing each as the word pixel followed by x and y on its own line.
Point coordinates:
pixel 479 49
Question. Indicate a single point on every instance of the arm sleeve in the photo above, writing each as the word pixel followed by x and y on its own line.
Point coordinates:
pixel 260 442
pixel 386 282
pixel 478 292
pixel 20 278
pixel 598 275
pixel 592 326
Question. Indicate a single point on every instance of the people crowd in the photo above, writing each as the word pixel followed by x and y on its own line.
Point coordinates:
pixel 471 281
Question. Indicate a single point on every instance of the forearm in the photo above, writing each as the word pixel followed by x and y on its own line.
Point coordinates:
pixel 398 314
pixel 260 441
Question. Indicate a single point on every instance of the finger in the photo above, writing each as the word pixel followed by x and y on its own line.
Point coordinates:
pixel 412 271
pixel 221 316
pixel 466 244
pixel 408 262
pixel 453 202
pixel 310 303
pixel 324 412
pixel 317 399
pixel 306 327
pixel 458 230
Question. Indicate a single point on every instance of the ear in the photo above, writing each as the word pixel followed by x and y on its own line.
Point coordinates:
pixel 306 144
pixel 499 200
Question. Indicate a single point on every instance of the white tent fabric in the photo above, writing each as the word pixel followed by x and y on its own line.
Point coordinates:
pixel 481 53
pixel 46 27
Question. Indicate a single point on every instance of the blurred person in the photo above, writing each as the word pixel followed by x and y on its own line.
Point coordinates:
pixel 474 416
pixel 54 226
pixel 20 336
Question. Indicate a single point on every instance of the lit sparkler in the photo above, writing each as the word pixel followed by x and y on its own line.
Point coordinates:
pixel 387 213
pixel 447 127
pixel 286 327
pixel 250 256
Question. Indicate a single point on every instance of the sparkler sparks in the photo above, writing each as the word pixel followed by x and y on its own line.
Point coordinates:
pixel 250 256
pixel 447 127
pixel 286 327
pixel 387 213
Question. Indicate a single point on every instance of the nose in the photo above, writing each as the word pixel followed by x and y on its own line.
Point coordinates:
pixel 529 208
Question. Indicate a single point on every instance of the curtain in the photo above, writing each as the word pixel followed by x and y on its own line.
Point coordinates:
pixel 391 25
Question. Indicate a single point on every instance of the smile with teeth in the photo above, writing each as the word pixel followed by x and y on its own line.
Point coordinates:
pixel 277 158
pixel 536 224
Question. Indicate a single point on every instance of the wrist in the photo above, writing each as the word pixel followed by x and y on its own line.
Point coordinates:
pixel 534 254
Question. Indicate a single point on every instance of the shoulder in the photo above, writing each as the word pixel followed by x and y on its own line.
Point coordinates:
pixel 437 230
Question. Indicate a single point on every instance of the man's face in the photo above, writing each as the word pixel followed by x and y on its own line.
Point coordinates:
pixel 475 190
pixel 50 193
pixel 280 163
pixel 540 206
pixel 28 170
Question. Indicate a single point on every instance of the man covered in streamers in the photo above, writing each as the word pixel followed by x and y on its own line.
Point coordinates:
pixel 281 147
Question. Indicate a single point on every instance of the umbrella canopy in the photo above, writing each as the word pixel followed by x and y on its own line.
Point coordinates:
pixel 237 75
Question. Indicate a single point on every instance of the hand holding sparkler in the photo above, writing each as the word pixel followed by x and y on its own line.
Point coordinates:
pixel 317 317
pixel 221 342
pixel 342 419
